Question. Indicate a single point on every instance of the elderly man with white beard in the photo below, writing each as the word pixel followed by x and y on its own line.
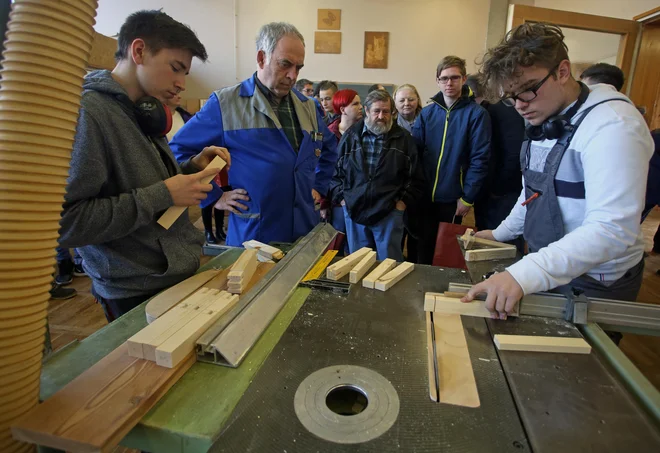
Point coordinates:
pixel 377 177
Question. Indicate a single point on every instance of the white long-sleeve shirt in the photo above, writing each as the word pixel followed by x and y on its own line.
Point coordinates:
pixel 602 237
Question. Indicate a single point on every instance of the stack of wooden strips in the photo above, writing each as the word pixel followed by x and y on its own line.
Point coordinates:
pixel 358 263
pixel 45 54
pixel 265 252
pixel 171 338
pixel 242 271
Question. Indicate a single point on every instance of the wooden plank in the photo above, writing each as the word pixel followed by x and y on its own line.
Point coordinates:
pixel 167 299
pixel 363 266
pixel 165 322
pixel 433 385
pixel 201 305
pixel 429 302
pixel 179 345
pixel 456 381
pixel 344 266
pixel 174 212
pixel 541 344
pixel 245 265
pixel 385 266
pixel 490 254
pixel 454 306
pixel 97 409
pixel 394 276
pixel 265 250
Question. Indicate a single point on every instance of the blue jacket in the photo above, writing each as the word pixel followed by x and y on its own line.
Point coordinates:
pixel 278 180
pixel 454 147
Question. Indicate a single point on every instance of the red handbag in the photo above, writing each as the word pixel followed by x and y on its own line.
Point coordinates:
pixel 447 251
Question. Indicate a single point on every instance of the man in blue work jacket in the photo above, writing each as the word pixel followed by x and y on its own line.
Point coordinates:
pixel 283 155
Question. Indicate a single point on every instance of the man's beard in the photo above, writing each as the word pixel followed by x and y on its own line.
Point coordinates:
pixel 377 127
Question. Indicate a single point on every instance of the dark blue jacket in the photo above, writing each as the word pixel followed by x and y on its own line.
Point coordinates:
pixel 454 147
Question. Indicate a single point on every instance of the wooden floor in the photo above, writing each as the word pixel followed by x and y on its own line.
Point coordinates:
pixel 76 318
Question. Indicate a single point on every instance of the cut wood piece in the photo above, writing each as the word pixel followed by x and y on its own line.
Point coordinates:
pixel 456 381
pixel 384 267
pixel 468 238
pixel 429 302
pixel 430 348
pixel 244 266
pixel 162 302
pixel 344 266
pixel 541 344
pixel 362 267
pixel 265 250
pixel 454 306
pixel 490 254
pixel 198 306
pixel 97 409
pixel 179 345
pixel 173 213
pixel 394 276
pixel 162 324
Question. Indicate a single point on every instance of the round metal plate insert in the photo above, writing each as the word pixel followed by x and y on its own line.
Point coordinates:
pixel 346 404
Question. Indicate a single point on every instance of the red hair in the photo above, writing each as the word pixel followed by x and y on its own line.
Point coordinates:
pixel 343 98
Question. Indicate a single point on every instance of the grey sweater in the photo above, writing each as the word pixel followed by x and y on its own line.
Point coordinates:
pixel 115 195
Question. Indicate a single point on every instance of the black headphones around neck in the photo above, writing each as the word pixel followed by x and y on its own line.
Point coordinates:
pixel 555 126
pixel 153 117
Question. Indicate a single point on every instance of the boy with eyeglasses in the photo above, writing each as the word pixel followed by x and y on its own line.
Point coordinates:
pixel 453 136
pixel 584 175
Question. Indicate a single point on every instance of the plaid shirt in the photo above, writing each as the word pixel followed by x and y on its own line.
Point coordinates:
pixel 286 113
pixel 372 146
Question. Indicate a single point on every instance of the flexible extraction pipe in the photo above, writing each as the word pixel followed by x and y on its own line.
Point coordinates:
pixel 44 59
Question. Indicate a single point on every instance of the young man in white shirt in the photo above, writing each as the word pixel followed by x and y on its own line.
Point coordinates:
pixel 584 176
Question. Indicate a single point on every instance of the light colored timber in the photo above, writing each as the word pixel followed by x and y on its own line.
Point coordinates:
pixel 541 344
pixel 454 306
pixel 172 351
pixel 173 213
pixel 242 271
pixel 468 238
pixel 163 323
pixel 266 251
pixel 385 266
pixel 394 276
pixel 162 302
pixel 456 381
pixel 344 266
pixel 490 254
pixel 429 302
pixel 363 266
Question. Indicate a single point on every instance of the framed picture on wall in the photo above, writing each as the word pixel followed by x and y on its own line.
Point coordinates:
pixel 376 49
pixel 329 19
pixel 327 42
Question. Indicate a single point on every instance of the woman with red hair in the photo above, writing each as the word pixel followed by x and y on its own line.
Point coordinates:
pixel 348 109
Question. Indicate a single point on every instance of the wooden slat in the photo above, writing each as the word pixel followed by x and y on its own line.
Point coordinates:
pixel 242 271
pixel 457 384
pixel 385 266
pixel 454 306
pixel 541 344
pixel 178 346
pixel 363 266
pixel 344 266
pixel 490 254
pixel 265 250
pixel 173 213
pixel 98 408
pixel 162 302
pixel 394 276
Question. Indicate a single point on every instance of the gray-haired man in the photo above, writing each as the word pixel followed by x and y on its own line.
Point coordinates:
pixel 377 176
pixel 283 155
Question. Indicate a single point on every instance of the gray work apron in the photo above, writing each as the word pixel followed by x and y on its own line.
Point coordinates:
pixel 544 223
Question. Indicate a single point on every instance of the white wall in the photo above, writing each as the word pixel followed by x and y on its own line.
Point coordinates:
pixel 621 9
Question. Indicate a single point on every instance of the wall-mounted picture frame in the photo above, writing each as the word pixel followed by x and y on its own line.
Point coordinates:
pixel 327 42
pixel 376 49
pixel 329 19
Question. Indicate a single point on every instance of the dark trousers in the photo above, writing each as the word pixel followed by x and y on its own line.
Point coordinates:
pixel 426 218
pixel 114 308
pixel 491 210
pixel 207 218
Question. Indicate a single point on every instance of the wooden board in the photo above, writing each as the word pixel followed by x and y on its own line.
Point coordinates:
pixel 178 346
pixel 363 266
pixel 394 276
pixel 167 299
pixel 265 250
pixel 384 267
pixel 454 306
pixel 97 409
pixel 490 254
pixel 469 239
pixel 344 266
pixel 541 344
pixel 174 212
pixel 457 384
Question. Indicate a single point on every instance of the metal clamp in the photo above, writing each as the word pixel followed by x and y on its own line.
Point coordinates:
pixel 576 308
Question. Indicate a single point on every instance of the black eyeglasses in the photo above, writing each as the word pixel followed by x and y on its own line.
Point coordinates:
pixel 529 94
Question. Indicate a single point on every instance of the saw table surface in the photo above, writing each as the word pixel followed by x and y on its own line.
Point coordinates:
pixel 529 401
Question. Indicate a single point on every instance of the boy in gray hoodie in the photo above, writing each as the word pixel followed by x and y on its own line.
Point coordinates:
pixel 123 175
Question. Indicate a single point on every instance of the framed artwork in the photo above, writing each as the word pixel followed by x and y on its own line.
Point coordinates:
pixel 327 42
pixel 376 49
pixel 329 19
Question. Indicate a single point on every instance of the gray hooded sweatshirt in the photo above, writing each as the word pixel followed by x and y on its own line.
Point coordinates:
pixel 116 193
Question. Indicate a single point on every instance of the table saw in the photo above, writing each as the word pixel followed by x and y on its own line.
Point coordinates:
pixel 364 356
